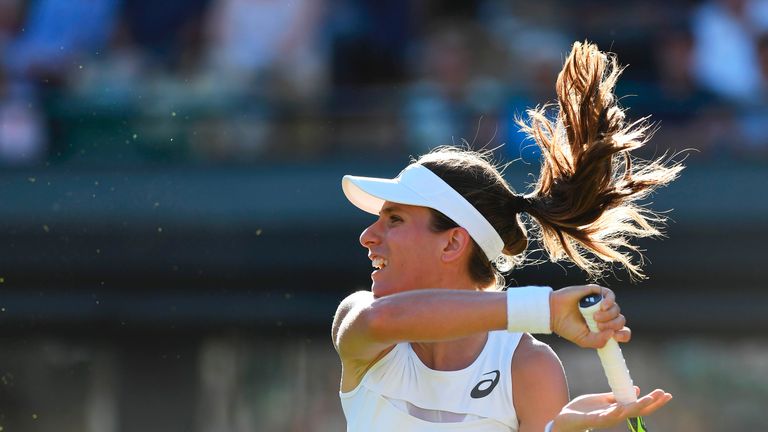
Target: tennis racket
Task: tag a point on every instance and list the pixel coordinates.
(614, 366)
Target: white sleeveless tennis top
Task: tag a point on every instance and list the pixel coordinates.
(400, 393)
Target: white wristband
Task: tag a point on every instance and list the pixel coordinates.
(528, 309)
(548, 427)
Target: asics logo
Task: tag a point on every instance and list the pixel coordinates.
(486, 386)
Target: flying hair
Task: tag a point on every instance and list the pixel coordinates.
(585, 199)
(583, 206)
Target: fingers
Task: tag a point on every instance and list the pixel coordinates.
(610, 321)
(593, 411)
(654, 406)
(624, 335)
(653, 401)
(596, 340)
(603, 398)
(607, 313)
(647, 404)
(609, 298)
(609, 317)
(614, 324)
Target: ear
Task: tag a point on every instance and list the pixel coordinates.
(458, 243)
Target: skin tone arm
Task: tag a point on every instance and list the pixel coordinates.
(539, 386)
(540, 394)
(364, 327)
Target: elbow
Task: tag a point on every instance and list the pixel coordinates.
(369, 326)
(379, 321)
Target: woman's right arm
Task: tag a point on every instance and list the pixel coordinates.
(364, 327)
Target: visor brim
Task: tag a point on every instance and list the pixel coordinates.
(369, 193)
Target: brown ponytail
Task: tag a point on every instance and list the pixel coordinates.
(584, 200)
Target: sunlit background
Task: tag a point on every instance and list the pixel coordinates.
(174, 236)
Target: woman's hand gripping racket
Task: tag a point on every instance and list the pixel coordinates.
(613, 363)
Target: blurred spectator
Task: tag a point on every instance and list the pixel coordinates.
(537, 57)
(687, 113)
(22, 138)
(22, 128)
(55, 37)
(248, 39)
(371, 39)
(754, 118)
(114, 78)
(11, 15)
(241, 80)
(679, 96)
(446, 104)
(260, 59)
(58, 33)
(725, 46)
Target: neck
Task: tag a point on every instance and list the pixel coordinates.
(451, 355)
(451, 278)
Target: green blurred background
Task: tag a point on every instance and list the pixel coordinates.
(175, 240)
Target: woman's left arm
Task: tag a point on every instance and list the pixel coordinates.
(539, 386)
(540, 394)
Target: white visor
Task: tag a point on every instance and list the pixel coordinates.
(417, 185)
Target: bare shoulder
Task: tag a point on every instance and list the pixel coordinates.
(539, 387)
(350, 333)
(535, 357)
(351, 302)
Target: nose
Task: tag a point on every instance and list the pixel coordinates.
(370, 236)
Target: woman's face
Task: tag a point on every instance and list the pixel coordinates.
(403, 250)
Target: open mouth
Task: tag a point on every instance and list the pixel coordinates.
(379, 263)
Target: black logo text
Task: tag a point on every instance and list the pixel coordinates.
(486, 386)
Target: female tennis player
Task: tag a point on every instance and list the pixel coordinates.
(436, 345)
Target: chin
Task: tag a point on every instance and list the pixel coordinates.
(377, 292)
(380, 290)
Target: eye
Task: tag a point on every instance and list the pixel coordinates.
(395, 219)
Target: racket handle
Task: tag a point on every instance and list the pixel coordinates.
(614, 366)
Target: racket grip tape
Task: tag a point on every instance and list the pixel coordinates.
(612, 359)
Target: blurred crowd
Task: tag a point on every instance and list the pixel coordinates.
(140, 81)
